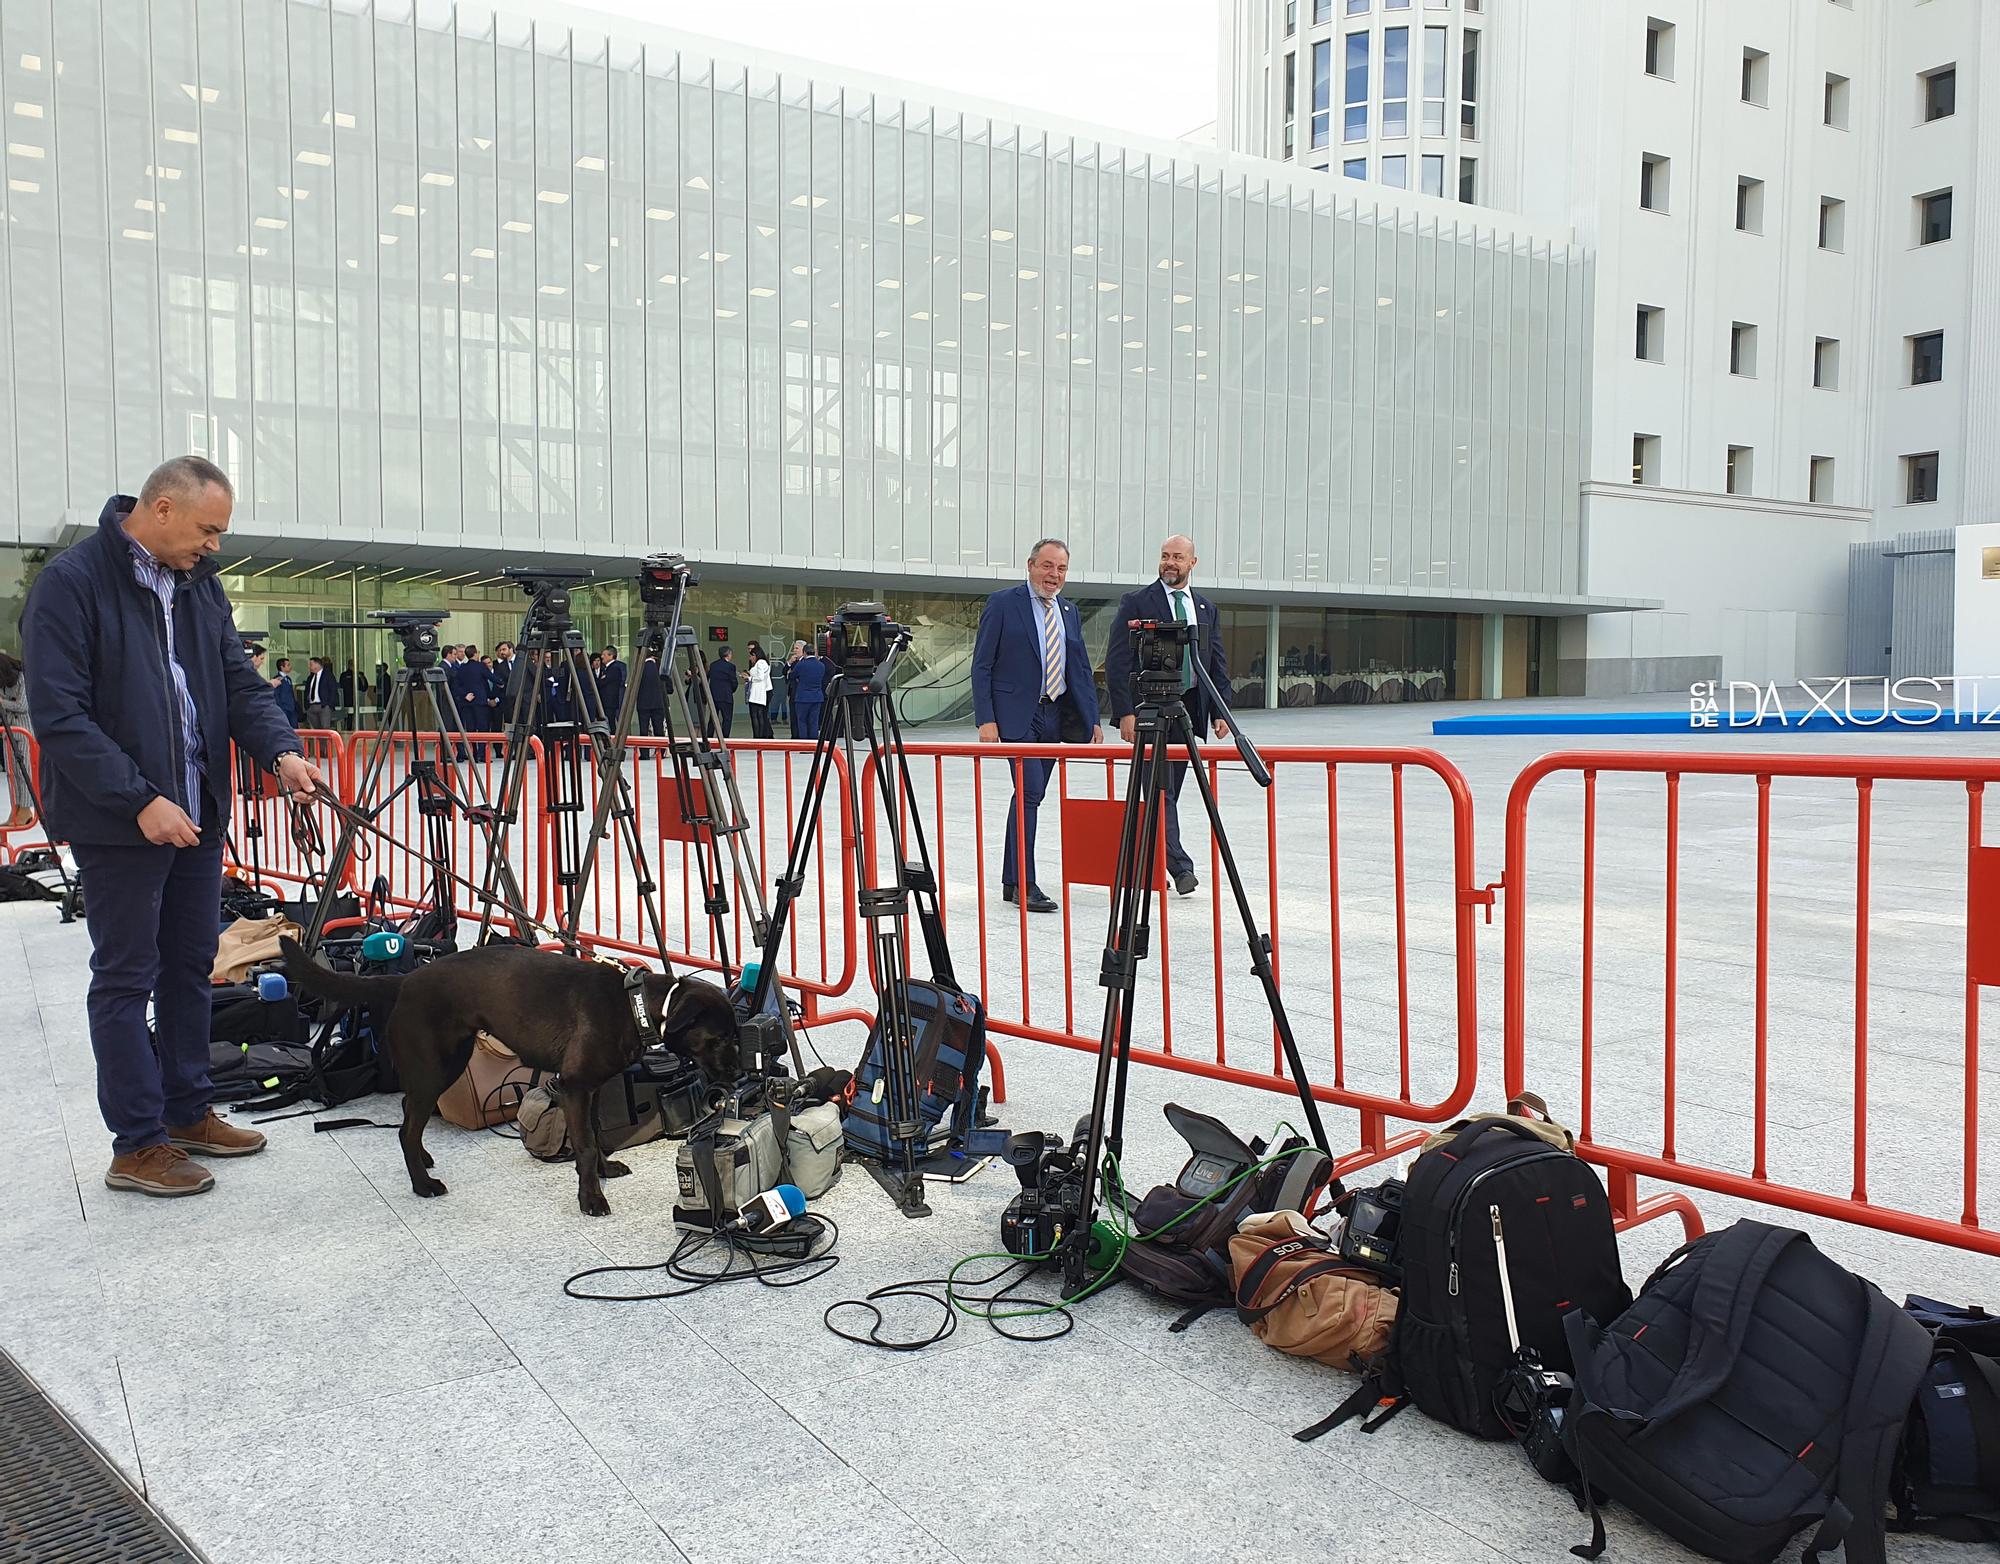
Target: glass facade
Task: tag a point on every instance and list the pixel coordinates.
(435, 283)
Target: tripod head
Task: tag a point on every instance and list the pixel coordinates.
(416, 629)
(1160, 649)
(548, 618)
(663, 583)
(862, 642)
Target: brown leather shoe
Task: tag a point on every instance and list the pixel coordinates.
(158, 1170)
(215, 1137)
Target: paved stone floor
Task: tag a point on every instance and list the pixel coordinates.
(310, 1364)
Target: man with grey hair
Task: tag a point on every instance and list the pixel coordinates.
(1032, 681)
(141, 686)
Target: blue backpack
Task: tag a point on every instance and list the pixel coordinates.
(950, 1052)
(1948, 1482)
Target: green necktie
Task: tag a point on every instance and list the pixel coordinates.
(1187, 655)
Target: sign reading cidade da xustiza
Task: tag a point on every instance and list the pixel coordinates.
(1848, 702)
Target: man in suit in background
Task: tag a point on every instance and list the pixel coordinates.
(722, 677)
(499, 679)
(650, 708)
(611, 683)
(1029, 667)
(319, 693)
(1172, 596)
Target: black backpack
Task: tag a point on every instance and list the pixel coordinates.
(1182, 1253)
(1948, 1481)
(1756, 1388)
(1497, 1187)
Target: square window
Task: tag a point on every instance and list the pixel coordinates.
(1826, 364)
(1652, 334)
(1645, 458)
(1832, 223)
(1468, 180)
(1654, 172)
(1836, 101)
(1749, 205)
(1355, 168)
(1757, 77)
(1736, 472)
(1659, 48)
(1819, 481)
(1743, 350)
(1940, 92)
(1934, 217)
(1396, 172)
(1920, 479)
(1926, 358)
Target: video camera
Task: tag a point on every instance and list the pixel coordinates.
(663, 577)
(1159, 649)
(860, 639)
(416, 628)
(1050, 1203)
(549, 588)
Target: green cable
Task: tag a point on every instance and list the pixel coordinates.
(1121, 1230)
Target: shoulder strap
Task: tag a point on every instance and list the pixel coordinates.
(1725, 1296)
(1895, 1353)
(1248, 1309)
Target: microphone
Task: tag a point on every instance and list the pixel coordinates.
(772, 1210)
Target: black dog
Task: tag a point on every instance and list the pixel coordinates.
(559, 1014)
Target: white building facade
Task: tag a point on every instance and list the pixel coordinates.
(1794, 339)
(442, 288)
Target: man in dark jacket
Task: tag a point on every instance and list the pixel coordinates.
(319, 693)
(805, 679)
(651, 705)
(499, 676)
(1172, 596)
(287, 693)
(140, 686)
(611, 683)
(722, 686)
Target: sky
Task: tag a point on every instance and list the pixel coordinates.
(1146, 66)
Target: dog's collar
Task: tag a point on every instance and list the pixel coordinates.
(635, 1000)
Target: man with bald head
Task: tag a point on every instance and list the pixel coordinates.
(1172, 596)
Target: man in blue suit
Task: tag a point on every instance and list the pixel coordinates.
(1172, 596)
(1029, 668)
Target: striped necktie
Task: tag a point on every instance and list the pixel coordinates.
(1052, 648)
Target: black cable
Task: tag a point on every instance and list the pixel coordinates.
(952, 1300)
(738, 1246)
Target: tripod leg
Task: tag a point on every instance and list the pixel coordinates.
(1260, 960)
(1128, 942)
(343, 843)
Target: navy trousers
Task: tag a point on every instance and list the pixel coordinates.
(154, 917)
(1044, 728)
(805, 718)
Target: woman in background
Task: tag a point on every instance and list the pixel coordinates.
(758, 677)
(14, 714)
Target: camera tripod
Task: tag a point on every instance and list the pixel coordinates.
(549, 649)
(861, 726)
(705, 789)
(1162, 722)
(436, 797)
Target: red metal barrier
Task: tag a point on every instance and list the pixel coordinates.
(260, 826)
(821, 943)
(1372, 1046)
(1702, 1062)
(396, 855)
(17, 839)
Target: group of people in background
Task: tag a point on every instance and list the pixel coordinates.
(479, 686)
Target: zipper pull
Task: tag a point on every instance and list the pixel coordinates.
(1498, 1236)
(1453, 1289)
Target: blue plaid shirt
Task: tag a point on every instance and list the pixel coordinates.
(163, 582)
